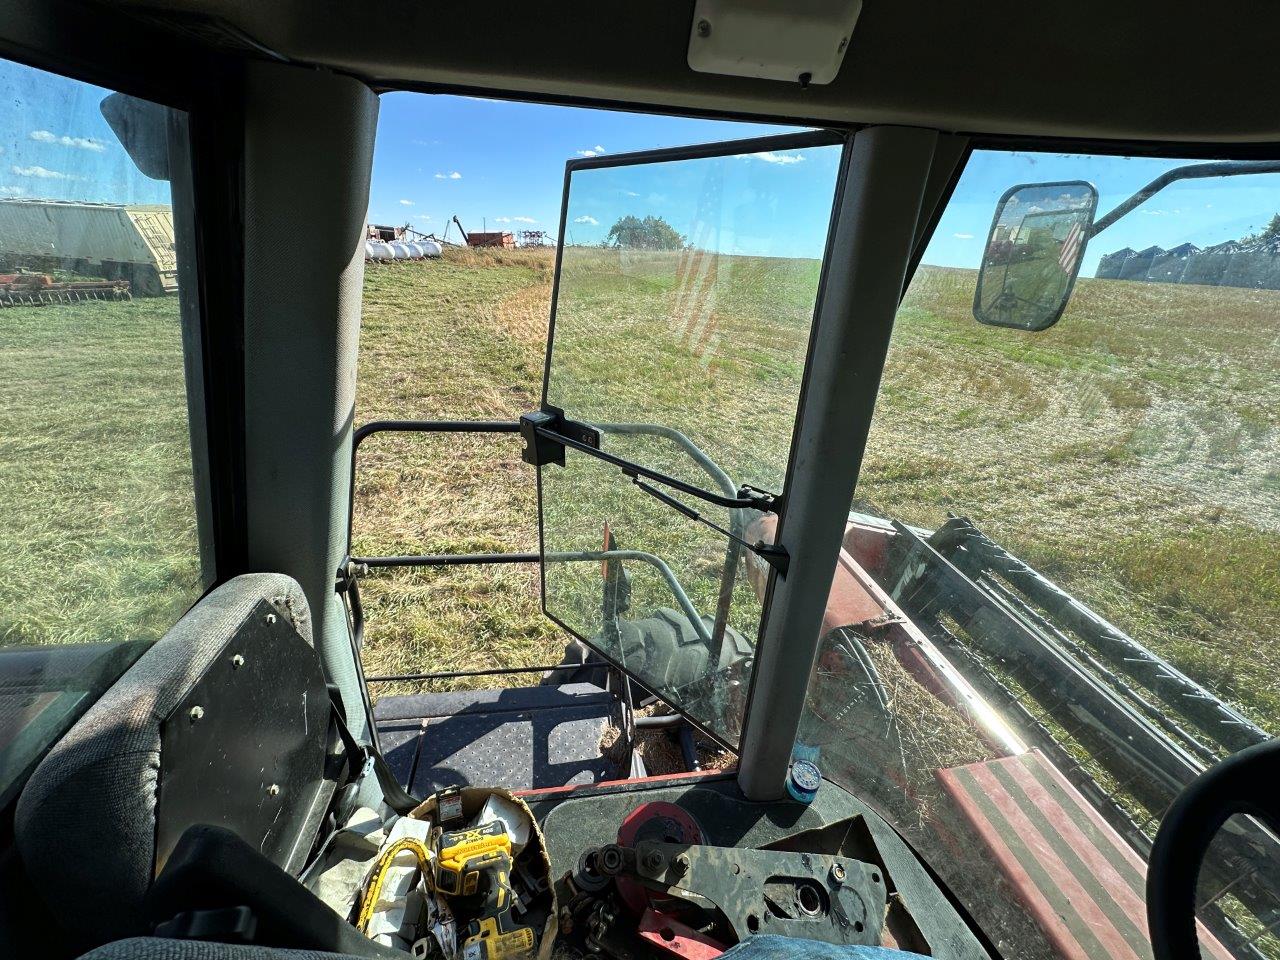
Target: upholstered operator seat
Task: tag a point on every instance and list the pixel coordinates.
(86, 823)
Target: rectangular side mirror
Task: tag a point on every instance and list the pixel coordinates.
(1033, 254)
(143, 130)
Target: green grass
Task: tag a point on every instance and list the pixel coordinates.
(1130, 452)
(460, 338)
(97, 523)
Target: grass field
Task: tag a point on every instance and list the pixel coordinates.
(461, 338)
(97, 525)
(1131, 452)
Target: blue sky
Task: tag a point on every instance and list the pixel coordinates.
(768, 203)
(55, 145)
(509, 160)
(501, 165)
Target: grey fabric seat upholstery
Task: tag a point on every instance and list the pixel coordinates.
(85, 824)
(157, 948)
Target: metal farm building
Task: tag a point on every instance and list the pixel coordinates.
(112, 241)
(492, 238)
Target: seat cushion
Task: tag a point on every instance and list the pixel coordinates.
(85, 824)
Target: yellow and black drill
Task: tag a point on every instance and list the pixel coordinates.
(475, 865)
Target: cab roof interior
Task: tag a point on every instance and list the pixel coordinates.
(1093, 69)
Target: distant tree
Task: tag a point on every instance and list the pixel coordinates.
(651, 233)
(1269, 238)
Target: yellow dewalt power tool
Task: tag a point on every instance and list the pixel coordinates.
(476, 864)
(467, 856)
(487, 940)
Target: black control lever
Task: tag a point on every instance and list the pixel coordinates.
(548, 432)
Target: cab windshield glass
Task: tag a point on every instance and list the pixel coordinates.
(1059, 598)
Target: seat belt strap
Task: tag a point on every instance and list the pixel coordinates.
(364, 759)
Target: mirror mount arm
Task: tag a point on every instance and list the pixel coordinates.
(774, 555)
(547, 432)
(1192, 171)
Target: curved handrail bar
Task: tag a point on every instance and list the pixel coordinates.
(682, 598)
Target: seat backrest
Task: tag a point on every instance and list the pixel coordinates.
(87, 822)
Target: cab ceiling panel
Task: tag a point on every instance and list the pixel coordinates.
(1087, 69)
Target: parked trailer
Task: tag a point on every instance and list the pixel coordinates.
(115, 242)
(492, 238)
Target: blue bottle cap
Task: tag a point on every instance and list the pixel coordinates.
(804, 780)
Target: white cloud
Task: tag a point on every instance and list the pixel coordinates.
(79, 143)
(592, 151)
(587, 219)
(405, 203)
(524, 220)
(630, 193)
(501, 219)
(42, 173)
(11, 191)
(963, 236)
(449, 176)
(768, 156)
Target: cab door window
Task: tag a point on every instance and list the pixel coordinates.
(98, 511)
(680, 338)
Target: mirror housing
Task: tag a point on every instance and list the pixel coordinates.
(1033, 253)
(142, 128)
